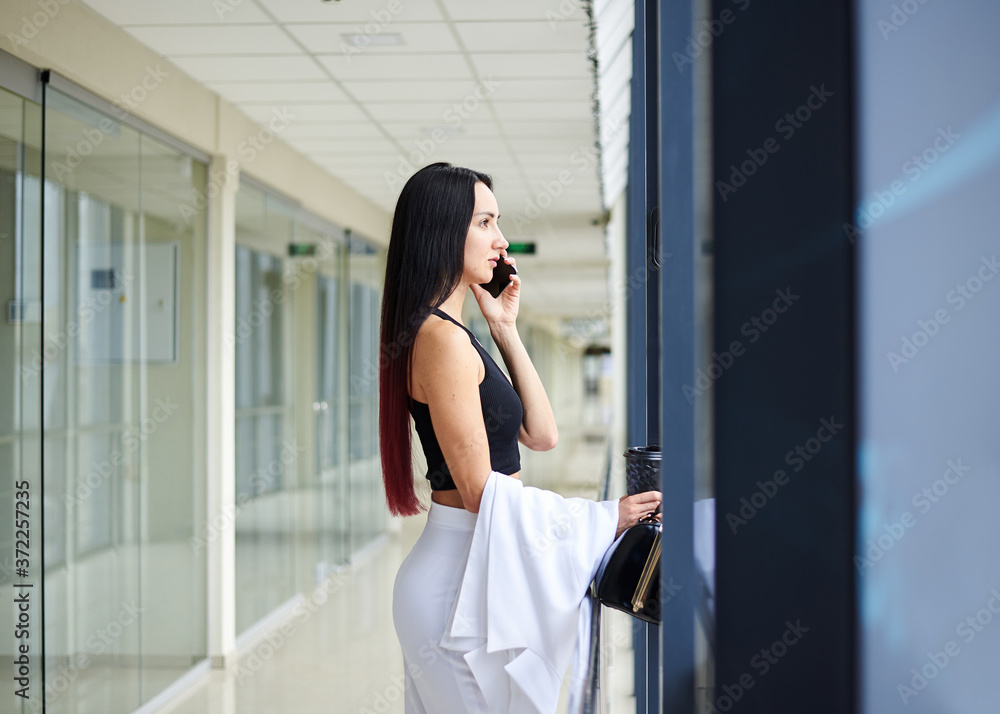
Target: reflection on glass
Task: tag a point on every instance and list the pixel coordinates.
(20, 358)
(368, 512)
(267, 451)
(331, 412)
(124, 589)
(926, 229)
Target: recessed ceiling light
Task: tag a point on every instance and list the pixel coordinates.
(385, 39)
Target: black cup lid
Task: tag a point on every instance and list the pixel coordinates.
(644, 452)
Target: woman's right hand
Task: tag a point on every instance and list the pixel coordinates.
(632, 508)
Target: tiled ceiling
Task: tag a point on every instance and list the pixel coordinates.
(501, 86)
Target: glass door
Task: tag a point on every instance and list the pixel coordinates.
(21, 355)
(267, 452)
(369, 514)
(101, 333)
(123, 355)
(330, 411)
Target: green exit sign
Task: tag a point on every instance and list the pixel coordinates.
(300, 250)
(521, 248)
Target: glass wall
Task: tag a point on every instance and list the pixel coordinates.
(102, 423)
(266, 446)
(331, 413)
(558, 367)
(318, 301)
(926, 226)
(123, 411)
(369, 514)
(114, 350)
(20, 362)
(308, 482)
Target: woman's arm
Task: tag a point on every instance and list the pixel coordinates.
(450, 368)
(538, 428)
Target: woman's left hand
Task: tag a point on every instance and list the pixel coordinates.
(633, 508)
(501, 310)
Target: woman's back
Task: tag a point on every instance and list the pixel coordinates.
(501, 409)
(500, 406)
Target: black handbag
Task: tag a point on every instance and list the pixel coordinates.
(628, 578)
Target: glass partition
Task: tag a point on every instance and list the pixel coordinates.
(21, 299)
(319, 363)
(308, 482)
(331, 412)
(266, 449)
(104, 400)
(928, 466)
(369, 514)
(102, 415)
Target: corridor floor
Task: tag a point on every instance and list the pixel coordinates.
(336, 651)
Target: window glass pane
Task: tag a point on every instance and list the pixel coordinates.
(368, 510)
(929, 177)
(266, 448)
(124, 418)
(21, 356)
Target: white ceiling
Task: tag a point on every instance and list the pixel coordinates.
(365, 113)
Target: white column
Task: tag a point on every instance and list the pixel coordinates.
(220, 386)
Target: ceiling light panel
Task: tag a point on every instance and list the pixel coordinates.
(353, 40)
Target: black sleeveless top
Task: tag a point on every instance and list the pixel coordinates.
(502, 414)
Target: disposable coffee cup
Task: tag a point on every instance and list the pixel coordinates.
(642, 468)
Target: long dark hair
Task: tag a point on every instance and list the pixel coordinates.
(424, 264)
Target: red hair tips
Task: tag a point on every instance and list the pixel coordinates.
(395, 444)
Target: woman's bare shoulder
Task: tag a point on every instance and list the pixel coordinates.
(439, 334)
(442, 352)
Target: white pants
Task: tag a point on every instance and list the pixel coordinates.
(436, 680)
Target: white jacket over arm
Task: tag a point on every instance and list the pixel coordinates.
(519, 607)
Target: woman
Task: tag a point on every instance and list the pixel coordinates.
(445, 241)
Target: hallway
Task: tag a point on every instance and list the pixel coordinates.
(335, 650)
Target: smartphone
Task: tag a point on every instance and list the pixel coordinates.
(501, 278)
